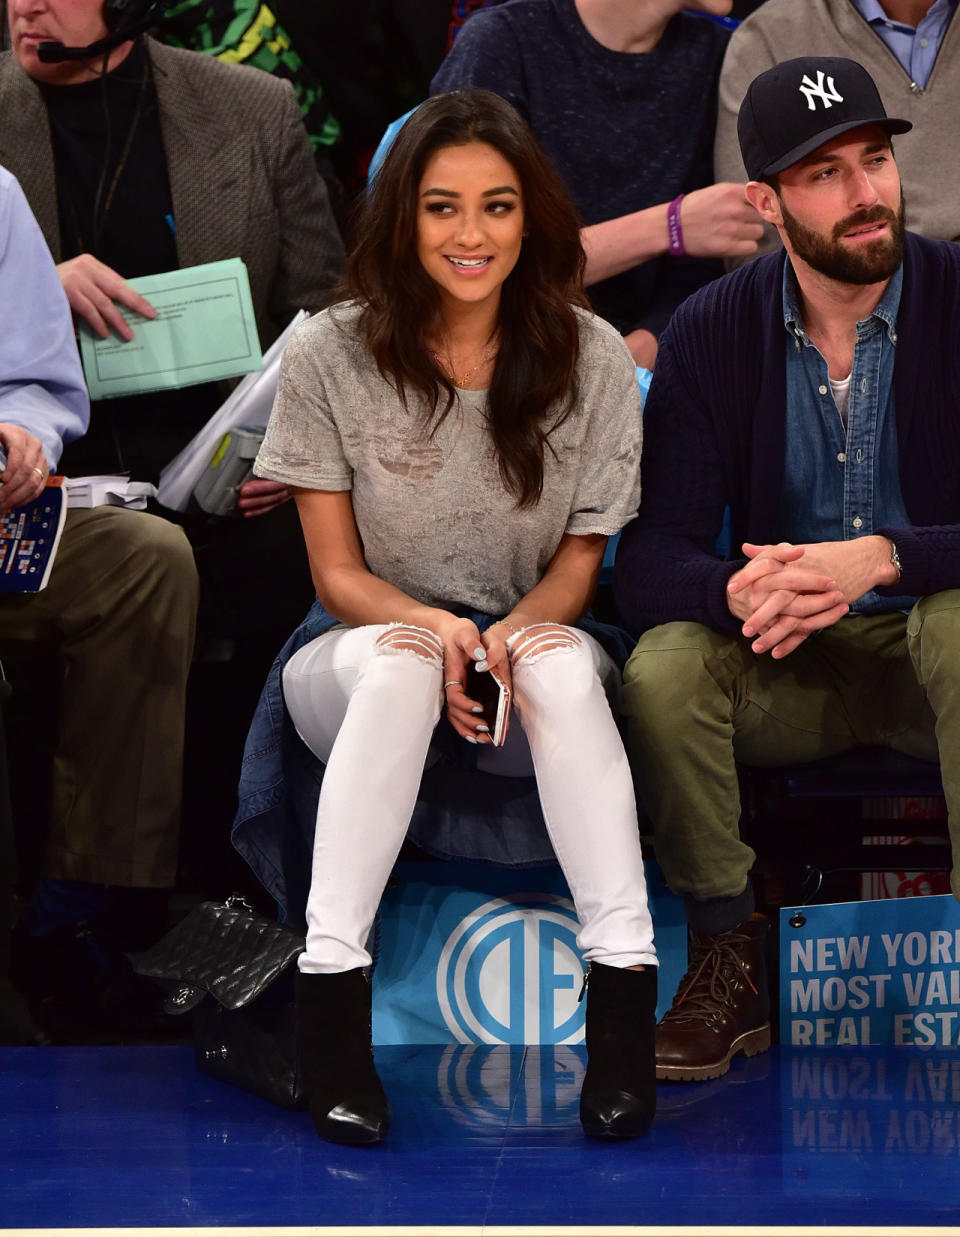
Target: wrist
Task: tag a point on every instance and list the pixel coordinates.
(890, 568)
(517, 620)
(440, 622)
(650, 236)
(675, 245)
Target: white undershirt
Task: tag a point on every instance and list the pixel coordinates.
(841, 395)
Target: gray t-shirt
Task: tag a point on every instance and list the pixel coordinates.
(432, 511)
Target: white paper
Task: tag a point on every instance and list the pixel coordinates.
(110, 490)
(249, 404)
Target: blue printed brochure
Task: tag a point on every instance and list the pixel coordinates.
(29, 536)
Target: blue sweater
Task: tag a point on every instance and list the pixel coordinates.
(714, 436)
(623, 130)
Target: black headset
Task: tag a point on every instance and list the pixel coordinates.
(124, 15)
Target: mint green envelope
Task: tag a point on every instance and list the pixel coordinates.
(204, 330)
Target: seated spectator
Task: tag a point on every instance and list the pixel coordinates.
(813, 392)
(463, 437)
(118, 612)
(146, 158)
(918, 81)
(622, 98)
(211, 161)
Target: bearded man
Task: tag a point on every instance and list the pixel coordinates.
(813, 393)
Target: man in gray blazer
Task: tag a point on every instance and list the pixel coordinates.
(168, 159)
(137, 159)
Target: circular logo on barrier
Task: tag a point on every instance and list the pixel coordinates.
(510, 973)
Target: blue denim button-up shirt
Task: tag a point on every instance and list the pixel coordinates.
(842, 482)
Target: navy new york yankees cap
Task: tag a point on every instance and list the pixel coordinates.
(800, 104)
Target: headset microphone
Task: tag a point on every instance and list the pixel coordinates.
(125, 19)
(57, 53)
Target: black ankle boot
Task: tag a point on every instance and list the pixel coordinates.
(619, 1095)
(347, 1100)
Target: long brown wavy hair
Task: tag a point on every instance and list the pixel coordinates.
(534, 379)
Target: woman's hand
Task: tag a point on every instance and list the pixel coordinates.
(495, 642)
(463, 646)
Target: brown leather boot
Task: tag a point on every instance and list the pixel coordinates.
(722, 1006)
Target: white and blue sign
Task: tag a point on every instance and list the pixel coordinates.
(480, 955)
(866, 973)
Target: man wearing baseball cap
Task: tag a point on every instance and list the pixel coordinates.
(814, 394)
(911, 49)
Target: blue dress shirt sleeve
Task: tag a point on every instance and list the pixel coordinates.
(42, 389)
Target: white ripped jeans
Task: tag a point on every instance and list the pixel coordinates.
(366, 700)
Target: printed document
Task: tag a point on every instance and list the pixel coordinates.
(204, 330)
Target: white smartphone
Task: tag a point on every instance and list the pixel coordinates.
(491, 691)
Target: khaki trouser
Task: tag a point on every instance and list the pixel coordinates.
(119, 612)
(697, 702)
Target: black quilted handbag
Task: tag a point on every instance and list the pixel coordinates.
(234, 970)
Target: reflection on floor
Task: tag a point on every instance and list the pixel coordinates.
(114, 1137)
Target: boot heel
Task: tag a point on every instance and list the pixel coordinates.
(619, 1095)
(754, 1042)
(346, 1098)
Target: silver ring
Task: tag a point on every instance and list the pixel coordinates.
(41, 474)
(452, 683)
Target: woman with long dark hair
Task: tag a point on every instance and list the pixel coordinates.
(462, 436)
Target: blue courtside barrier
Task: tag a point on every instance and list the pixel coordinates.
(474, 954)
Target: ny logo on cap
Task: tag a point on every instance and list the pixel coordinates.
(816, 90)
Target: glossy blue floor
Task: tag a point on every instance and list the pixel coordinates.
(797, 1140)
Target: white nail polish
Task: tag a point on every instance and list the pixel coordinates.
(469, 738)
(483, 729)
(477, 708)
(479, 653)
(481, 665)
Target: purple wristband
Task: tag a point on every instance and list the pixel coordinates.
(674, 230)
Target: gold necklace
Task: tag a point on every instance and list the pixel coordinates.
(445, 365)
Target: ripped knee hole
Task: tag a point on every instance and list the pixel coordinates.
(542, 638)
(418, 641)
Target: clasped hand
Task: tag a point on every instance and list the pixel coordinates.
(464, 645)
(786, 592)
